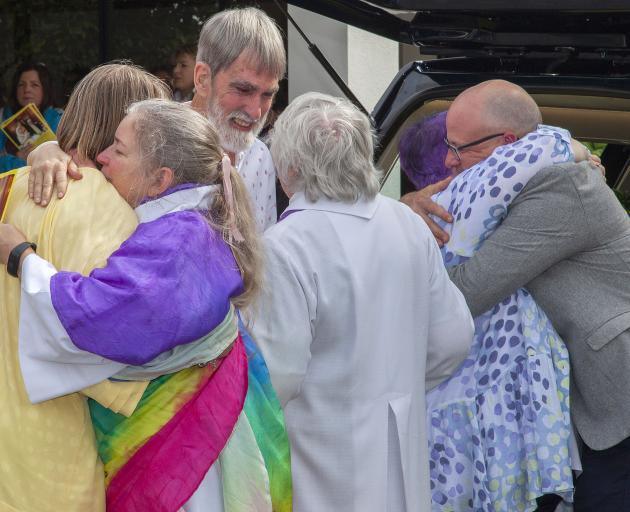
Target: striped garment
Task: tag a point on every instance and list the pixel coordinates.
(155, 459)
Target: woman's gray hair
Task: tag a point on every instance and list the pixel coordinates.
(172, 135)
(329, 145)
(227, 34)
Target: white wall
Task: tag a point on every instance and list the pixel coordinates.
(366, 62)
(372, 64)
(304, 72)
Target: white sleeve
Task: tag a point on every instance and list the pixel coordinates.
(451, 325)
(51, 365)
(282, 322)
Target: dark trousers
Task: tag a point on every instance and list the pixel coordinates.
(604, 485)
(547, 503)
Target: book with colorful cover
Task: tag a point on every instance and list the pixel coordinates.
(27, 128)
(6, 182)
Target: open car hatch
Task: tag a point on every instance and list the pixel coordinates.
(494, 27)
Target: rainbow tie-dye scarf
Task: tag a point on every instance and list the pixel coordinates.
(264, 414)
(155, 459)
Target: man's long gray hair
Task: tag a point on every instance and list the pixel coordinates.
(328, 143)
(227, 34)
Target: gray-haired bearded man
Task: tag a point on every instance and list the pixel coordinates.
(240, 60)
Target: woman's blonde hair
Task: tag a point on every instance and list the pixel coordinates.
(173, 135)
(98, 104)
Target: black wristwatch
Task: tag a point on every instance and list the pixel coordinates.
(13, 263)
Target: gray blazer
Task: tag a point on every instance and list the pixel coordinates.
(566, 239)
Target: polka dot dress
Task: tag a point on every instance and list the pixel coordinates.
(499, 428)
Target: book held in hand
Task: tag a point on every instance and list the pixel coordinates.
(27, 128)
(6, 182)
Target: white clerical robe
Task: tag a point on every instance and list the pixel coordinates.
(358, 320)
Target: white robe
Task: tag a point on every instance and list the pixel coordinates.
(358, 320)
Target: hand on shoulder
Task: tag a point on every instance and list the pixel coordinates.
(421, 203)
(50, 168)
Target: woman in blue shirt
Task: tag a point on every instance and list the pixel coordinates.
(31, 84)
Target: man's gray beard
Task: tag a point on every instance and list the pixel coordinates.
(232, 139)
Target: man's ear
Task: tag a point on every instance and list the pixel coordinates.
(203, 88)
(163, 180)
(509, 137)
(203, 79)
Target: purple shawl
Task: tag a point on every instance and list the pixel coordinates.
(169, 284)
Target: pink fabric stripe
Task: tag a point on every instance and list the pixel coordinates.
(163, 474)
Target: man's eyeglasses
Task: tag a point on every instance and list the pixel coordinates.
(457, 149)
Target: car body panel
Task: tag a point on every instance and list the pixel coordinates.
(419, 82)
(465, 27)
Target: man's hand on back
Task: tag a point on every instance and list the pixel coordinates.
(581, 153)
(421, 203)
(596, 163)
(50, 167)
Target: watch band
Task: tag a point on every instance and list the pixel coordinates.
(13, 263)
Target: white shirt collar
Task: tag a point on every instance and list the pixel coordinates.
(364, 208)
(197, 198)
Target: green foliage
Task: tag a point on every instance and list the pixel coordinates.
(74, 36)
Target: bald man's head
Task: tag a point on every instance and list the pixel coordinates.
(507, 106)
(494, 107)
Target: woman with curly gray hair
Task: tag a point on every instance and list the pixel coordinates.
(358, 319)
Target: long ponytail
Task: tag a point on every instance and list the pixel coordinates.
(248, 251)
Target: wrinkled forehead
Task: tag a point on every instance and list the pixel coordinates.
(465, 119)
(247, 72)
(126, 131)
(253, 64)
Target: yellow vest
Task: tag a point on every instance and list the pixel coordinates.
(48, 458)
